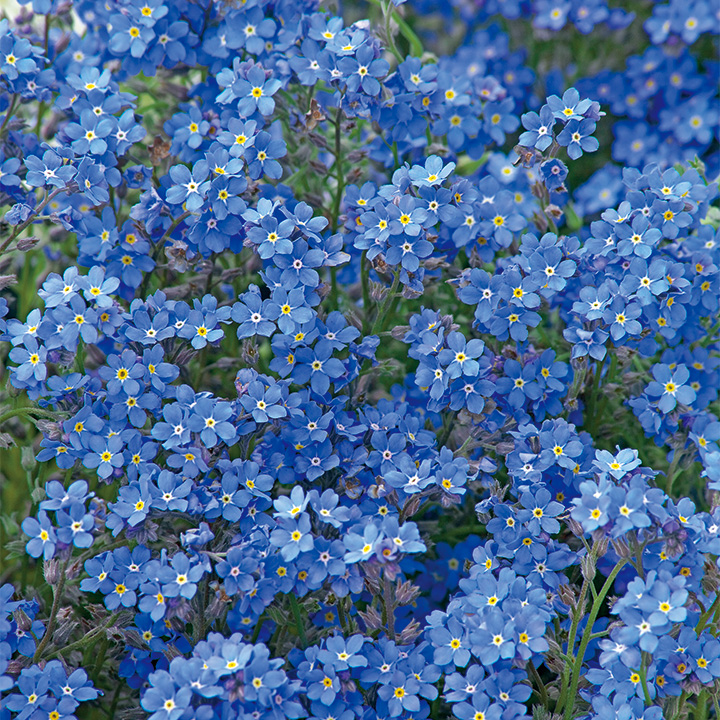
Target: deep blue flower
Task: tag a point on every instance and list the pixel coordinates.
(554, 172)
(538, 129)
(577, 137)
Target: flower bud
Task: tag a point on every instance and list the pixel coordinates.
(14, 667)
(318, 168)
(355, 174)
(540, 222)
(587, 565)
(406, 592)
(27, 458)
(554, 212)
(567, 595)
(372, 619)
(541, 713)
(65, 627)
(621, 548)
(412, 505)
(409, 633)
(25, 244)
(372, 578)
(320, 142)
(49, 428)
(711, 578)
(408, 293)
(601, 546)
(51, 571)
(22, 620)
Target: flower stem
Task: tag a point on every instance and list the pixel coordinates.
(380, 317)
(10, 112)
(540, 684)
(577, 665)
(389, 602)
(27, 411)
(57, 596)
(298, 619)
(571, 644)
(707, 614)
(365, 282)
(677, 454)
(416, 47)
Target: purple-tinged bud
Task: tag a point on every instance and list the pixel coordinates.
(51, 571)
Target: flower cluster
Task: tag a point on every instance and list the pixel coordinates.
(331, 390)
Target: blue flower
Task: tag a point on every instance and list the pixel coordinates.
(461, 355)
(180, 578)
(210, 419)
(342, 654)
(554, 172)
(126, 35)
(362, 71)
(435, 172)
(189, 188)
(42, 534)
(262, 156)
(293, 536)
(586, 342)
(539, 129)
(577, 137)
(543, 511)
(669, 385)
(163, 698)
(31, 358)
(254, 92)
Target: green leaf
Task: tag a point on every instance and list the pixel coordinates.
(572, 219)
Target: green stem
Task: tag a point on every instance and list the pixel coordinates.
(32, 218)
(677, 454)
(380, 318)
(365, 282)
(50, 628)
(643, 678)
(571, 645)
(339, 190)
(40, 113)
(339, 176)
(27, 411)
(592, 400)
(46, 38)
(577, 665)
(710, 337)
(416, 47)
(85, 639)
(159, 247)
(602, 404)
(447, 428)
(115, 700)
(681, 705)
(100, 660)
(342, 616)
(298, 619)
(256, 631)
(540, 684)
(10, 112)
(389, 602)
(702, 706)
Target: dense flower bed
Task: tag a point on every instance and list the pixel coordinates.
(359, 368)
